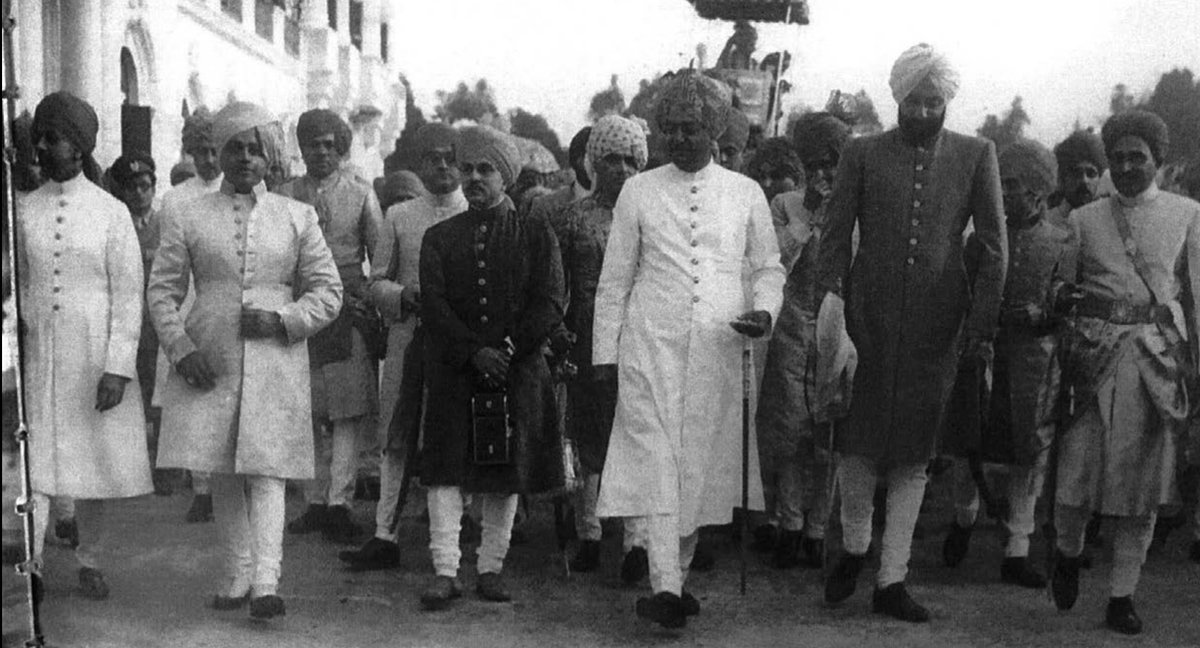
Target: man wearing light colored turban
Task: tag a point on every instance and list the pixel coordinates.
(236, 402)
(910, 307)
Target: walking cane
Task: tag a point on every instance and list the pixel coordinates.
(745, 522)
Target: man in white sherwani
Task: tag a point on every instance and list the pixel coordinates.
(669, 316)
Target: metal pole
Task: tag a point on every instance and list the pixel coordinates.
(776, 99)
(745, 517)
(29, 567)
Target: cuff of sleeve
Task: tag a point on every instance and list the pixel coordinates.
(121, 366)
(180, 349)
(293, 323)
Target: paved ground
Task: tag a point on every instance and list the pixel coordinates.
(162, 572)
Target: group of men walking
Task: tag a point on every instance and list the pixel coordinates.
(880, 283)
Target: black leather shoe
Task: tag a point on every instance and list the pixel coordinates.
(91, 584)
(377, 553)
(200, 510)
(225, 603)
(691, 606)
(490, 587)
(787, 550)
(813, 552)
(1194, 554)
(895, 602)
(339, 528)
(67, 531)
(1018, 571)
(765, 538)
(313, 519)
(1122, 617)
(703, 560)
(588, 557)
(954, 549)
(266, 607)
(1064, 584)
(635, 566)
(37, 590)
(843, 578)
(663, 608)
(439, 594)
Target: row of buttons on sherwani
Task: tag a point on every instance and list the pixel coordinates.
(237, 238)
(920, 175)
(481, 267)
(58, 237)
(695, 260)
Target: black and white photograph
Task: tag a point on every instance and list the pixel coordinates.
(652, 323)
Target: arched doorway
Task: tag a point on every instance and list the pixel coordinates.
(135, 118)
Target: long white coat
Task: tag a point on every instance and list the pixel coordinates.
(81, 291)
(264, 251)
(670, 285)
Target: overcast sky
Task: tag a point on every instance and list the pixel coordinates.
(550, 56)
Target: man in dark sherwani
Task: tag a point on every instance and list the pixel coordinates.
(910, 307)
(491, 294)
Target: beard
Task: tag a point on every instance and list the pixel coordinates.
(920, 129)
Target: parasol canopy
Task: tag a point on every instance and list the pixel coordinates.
(535, 156)
(754, 10)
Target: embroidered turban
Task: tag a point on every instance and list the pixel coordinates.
(703, 98)
(486, 143)
(71, 116)
(320, 122)
(1081, 146)
(129, 166)
(197, 130)
(615, 134)
(918, 63)
(435, 135)
(1139, 123)
(1033, 163)
(820, 135)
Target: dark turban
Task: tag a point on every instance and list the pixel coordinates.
(397, 186)
(579, 145)
(737, 129)
(71, 116)
(1139, 123)
(320, 122)
(129, 166)
(1033, 163)
(435, 135)
(182, 171)
(479, 143)
(818, 135)
(777, 153)
(1081, 146)
(705, 99)
(197, 130)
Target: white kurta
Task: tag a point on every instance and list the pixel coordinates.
(263, 251)
(81, 290)
(670, 286)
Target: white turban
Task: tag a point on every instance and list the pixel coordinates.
(918, 63)
(237, 117)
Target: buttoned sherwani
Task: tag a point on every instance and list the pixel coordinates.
(80, 278)
(1118, 454)
(256, 250)
(907, 293)
(671, 283)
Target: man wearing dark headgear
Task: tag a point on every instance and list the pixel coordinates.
(1018, 429)
(81, 298)
(793, 449)
(396, 290)
(491, 294)
(671, 322)
(1081, 164)
(551, 205)
(1134, 311)
(343, 372)
(397, 187)
(910, 308)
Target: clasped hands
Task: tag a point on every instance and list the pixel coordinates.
(753, 324)
(492, 365)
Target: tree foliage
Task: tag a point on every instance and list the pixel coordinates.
(1176, 98)
(477, 103)
(1007, 129)
(414, 119)
(609, 101)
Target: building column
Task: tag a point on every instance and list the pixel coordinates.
(82, 52)
(31, 48)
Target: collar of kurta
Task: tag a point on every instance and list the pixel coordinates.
(255, 194)
(490, 213)
(74, 185)
(324, 184)
(706, 172)
(928, 144)
(1147, 196)
(454, 198)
